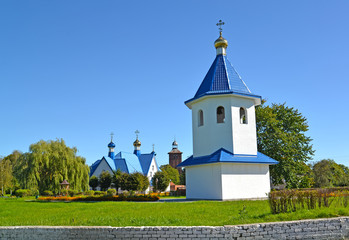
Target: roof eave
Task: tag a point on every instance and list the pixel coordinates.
(257, 99)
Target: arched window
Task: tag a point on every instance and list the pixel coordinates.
(201, 118)
(243, 116)
(220, 114)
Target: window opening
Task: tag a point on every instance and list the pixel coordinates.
(220, 114)
(243, 116)
(201, 118)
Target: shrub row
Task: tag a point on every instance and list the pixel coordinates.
(292, 200)
(140, 198)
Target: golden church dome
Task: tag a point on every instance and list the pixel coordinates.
(137, 143)
(221, 42)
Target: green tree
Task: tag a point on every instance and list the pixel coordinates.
(94, 182)
(5, 175)
(48, 163)
(116, 180)
(182, 177)
(281, 136)
(171, 172)
(104, 180)
(160, 181)
(327, 173)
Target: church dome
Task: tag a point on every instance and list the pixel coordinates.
(174, 143)
(137, 143)
(221, 42)
(111, 145)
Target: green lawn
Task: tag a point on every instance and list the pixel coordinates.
(17, 212)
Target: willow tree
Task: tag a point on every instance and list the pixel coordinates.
(48, 163)
(5, 175)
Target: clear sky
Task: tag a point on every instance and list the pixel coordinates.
(78, 70)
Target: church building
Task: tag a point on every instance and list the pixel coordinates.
(144, 163)
(225, 163)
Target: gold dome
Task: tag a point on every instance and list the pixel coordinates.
(221, 42)
(137, 143)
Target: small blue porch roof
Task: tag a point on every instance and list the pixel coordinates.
(223, 155)
(222, 78)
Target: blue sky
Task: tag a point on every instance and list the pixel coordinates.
(78, 70)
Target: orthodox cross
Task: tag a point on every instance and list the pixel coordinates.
(220, 24)
(153, 147)
(111, 136)
(137, 132)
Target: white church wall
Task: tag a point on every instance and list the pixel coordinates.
(232, 135)
(212, 135)
(245, 180)
(204, 182)
(244, 135)
(103, 166)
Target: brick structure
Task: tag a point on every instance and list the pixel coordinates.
(332, 228)
(175, 157)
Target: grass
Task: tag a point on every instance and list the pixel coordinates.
(18, 212)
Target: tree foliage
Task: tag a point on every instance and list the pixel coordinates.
(94, 182)
(5, 175)
(281, 136)
(327, 173)
(171, 172)
(160, 181)
(48, 163)
(105, 180)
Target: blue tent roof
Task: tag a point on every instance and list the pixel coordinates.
(130, 160)
(145, 160)
(94, 167)
(222, 78)
(223, 155)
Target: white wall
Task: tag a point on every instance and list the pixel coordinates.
(203, 182)
(227, 181)
(232, 135)
(245, 180)
(103, 166)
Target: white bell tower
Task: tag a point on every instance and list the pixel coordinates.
(225, 162)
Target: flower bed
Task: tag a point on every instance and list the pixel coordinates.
(139, 198)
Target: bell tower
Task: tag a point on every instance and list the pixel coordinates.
(175, 156)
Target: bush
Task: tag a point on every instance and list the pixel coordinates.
(111, 192)
(72, 192)
(64, 192)
(23, 193)
(89, 193)
(141, 198)
(100, 193)
(47, 193)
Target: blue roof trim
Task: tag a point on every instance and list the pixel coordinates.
(223, 155)
(222, 78)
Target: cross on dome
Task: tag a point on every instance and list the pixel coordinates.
(137, 132)
(220, 24)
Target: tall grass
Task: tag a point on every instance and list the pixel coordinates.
(293, 200)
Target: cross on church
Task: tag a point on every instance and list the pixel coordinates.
(111, 136)
(220, 24)
(137, 132)
(153, 147)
